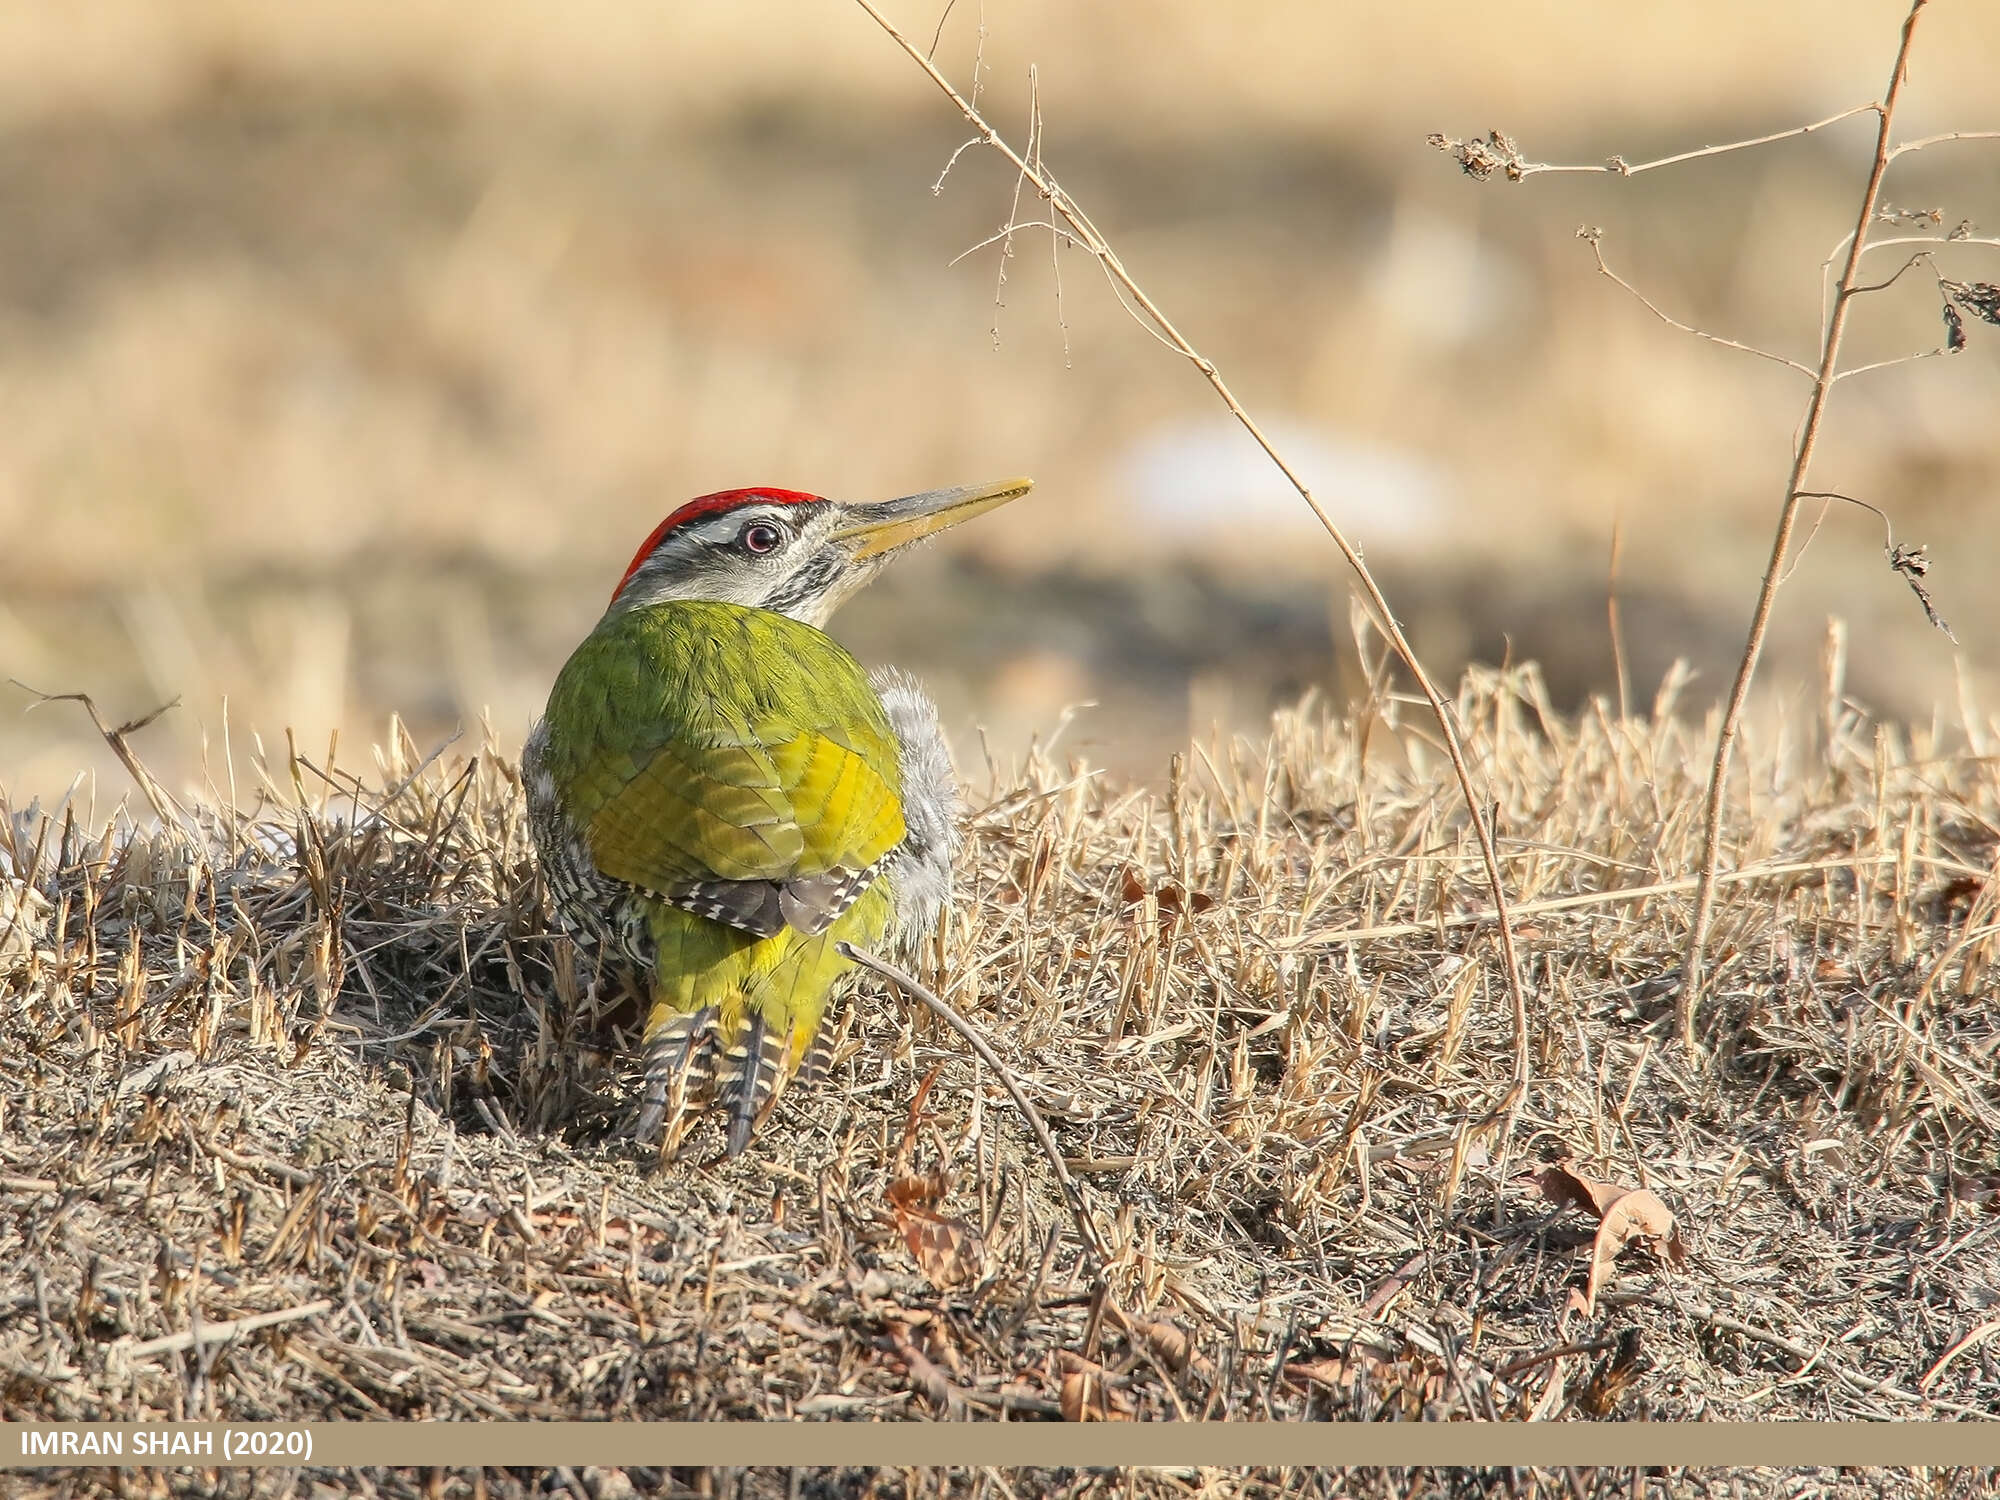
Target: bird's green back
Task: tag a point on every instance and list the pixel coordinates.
(696, 740)
(694, 744)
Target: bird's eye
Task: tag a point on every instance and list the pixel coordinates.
(761, 536)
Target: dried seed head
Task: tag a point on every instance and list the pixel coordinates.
(1980, 298)
(1481, 159)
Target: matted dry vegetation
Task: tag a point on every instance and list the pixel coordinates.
(770, 1483)
(307, 1116)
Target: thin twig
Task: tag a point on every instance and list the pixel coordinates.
(1960, 236)
(1908, 563)
(1967, 1341)
(1618, 166)
(1829, 496)
(938, 35)
(1688, 998)
(170, 812)
(1618, 897)
(915, 989)
(1133, 296)
(1612, 616)
(1717, 1319)
(1939, 140)
(1499, 154)
(217, 1333)
(1594, 236)
(1002, 236)
(1889, 364)
(1883, 285)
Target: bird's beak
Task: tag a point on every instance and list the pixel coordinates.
(872, 530)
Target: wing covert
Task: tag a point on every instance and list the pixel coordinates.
(757, 800)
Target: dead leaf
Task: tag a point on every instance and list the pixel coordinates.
(1566, 1187)
(563, 1220)
(1029, 872)
(916, 1194)
(1171, 897)
(1087, 1394)
(1623, 1215)
(794, 1321)
(1341, 1372)
(1956, 896)
(1336, 1372)
(1176, 902)
(1170, 1346)
(1392, 1287)
(948, 1251)
(1640, 1216)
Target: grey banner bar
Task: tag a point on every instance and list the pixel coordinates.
(1778, 1444)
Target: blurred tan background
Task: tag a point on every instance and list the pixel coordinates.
(347, 349)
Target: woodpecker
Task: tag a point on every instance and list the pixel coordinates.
(720, 794)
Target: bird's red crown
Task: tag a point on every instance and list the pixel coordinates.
(707, 505)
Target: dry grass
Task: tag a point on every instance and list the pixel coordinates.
(318, 1063)
(1056, 1484)
(304, 1113)
(1073, 1484)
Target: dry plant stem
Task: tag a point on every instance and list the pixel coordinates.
(1925, 142)
(1157, 322)
(218, 1333)
(1589, 900)
(1611, 615)
(1689, 997)
(1619, 167)
(912, 987)
(1603, 269)
(171, 817)
(1720, 1320)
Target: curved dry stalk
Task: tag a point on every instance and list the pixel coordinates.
(1596, 239)
(1156, 322)
(173, 817)
(1688, 1000)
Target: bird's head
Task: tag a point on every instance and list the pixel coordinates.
(781, 550)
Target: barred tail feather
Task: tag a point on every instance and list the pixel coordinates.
(819, 1053)
(755, 1067)
(815, 1051)
(680, 1061)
